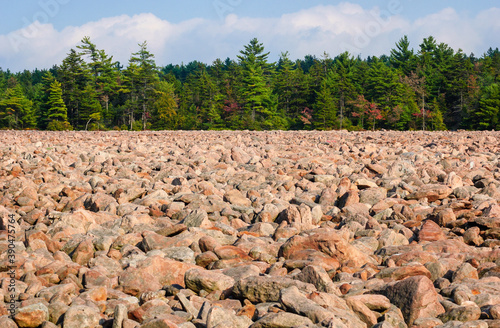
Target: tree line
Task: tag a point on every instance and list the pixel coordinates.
(431, 88)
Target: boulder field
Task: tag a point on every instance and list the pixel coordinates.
(249, 229)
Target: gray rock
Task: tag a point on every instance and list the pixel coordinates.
(261, 289)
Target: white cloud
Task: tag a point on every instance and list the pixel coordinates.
(330, 28)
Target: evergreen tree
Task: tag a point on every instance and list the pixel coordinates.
(90, 109)
(487, 116)
(16, 111)
(164, 107)
(57, 112)
(104, 72)
(385, 88)
(260, 107)
(325, 108)
(291, 86)
(402, 57)
(342, 81)
(74, 76)
(142, 77)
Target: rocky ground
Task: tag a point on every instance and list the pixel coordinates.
(250, 229)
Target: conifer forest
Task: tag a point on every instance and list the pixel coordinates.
(427, 87)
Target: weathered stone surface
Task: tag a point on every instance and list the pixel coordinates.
(152, 274)
(318, 276)
(328, 241)
(399, 273)
(114, 221)
(219, 317)
(415, 296)
(266, 288)
(32, 315)
(430, 231)
(199, 279)
(282, 320)
(432, 192)
(81, 316)
(464, 313)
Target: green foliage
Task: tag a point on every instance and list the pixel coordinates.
(403, 58)
(16, 111)
(59, 126)
(57, 109)
(325, 108)
(487, 115)
(90, 108)
(165, 107)
(431, 88)
(142, 75)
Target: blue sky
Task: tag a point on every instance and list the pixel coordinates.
(39, 33)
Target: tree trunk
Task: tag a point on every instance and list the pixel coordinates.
(423, 112)
(341, 111)
(144, 116)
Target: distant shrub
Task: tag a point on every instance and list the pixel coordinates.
(59, 126)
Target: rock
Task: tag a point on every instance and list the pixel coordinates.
(328, 241)
(295, 301)
(197, 218)
(372, 196)
(188, 307)
(159, 323)
(32, 315)
(391, 318)
(464, 313)
(298, 228)
(349, 198)
(472, 237)
(299, 218)
(199, 279)
(84, 252)
(399, 273)
(376, 168)
(120, 314)
(374, 302)
(431, 231)
(432, 192)
(282, 320)
(235, 197)
(259, 289)
(7, 322)
(317, 276)
(322, 308)
(362, 311)
(464, 271)
(152, 274)
(81, 316)
(454, 181)
(415, 296)
(445, 217)
(218, 317)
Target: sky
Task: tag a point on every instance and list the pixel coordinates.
(40, 33)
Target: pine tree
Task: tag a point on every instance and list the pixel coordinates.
(164, 107)
(104, 74)
(16, 111)
(291, 86)
(342, 81)
(402, 57)
(74, 76)
(487, 116)
(143, 75)
(90, 109)
(325, 108)
(384, 86)
(260, 107)
(57, 112)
